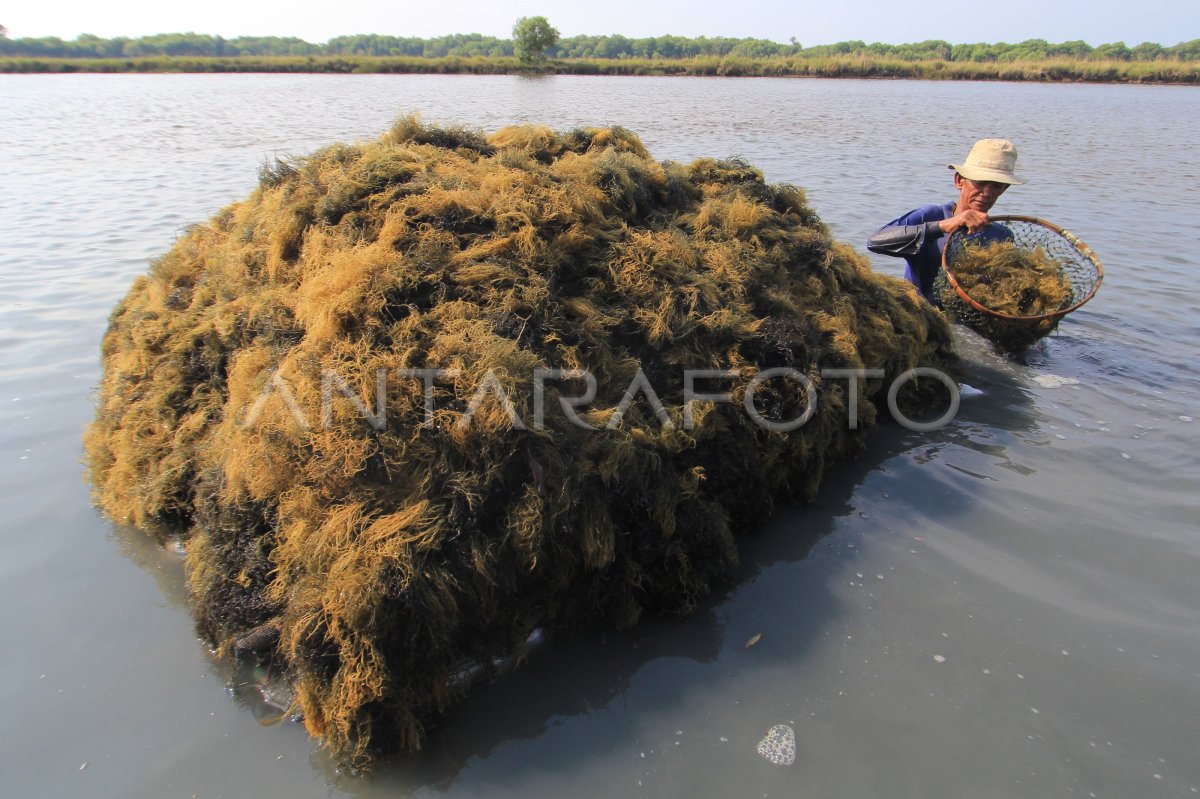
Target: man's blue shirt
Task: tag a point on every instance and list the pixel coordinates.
(916, 240)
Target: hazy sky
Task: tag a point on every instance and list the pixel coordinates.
(1166, 22)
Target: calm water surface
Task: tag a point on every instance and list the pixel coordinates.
(1006, 607)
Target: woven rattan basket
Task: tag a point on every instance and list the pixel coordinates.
(1080, 267)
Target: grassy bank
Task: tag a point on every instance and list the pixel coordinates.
(1051, 70)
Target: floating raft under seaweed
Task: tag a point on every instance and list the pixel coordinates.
(331, 391)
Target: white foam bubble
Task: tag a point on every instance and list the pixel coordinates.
(1054, 381)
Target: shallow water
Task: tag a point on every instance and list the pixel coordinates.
(1007, 606)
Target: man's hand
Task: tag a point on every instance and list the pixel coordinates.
(972, 220)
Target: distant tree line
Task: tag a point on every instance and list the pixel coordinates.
(615, 46)
(203, 45)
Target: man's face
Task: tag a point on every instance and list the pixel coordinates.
(977, 195)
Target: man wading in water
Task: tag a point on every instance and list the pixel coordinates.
(919, 235)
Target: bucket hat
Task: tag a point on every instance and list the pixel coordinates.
(990, 159)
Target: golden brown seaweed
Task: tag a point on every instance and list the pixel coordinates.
(386, 556)
(1012, 281)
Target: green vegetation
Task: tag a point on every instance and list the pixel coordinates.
(1056, 70)
(536, 43)
(658, 48)
(532, 37)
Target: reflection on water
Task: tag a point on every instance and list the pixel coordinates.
(1002, 607)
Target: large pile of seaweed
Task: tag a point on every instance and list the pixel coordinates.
(377, 528)
(1020, 283)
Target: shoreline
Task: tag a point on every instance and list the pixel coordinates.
(1051, 71)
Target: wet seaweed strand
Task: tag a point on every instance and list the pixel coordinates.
(386, 556)
(1011, 280)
